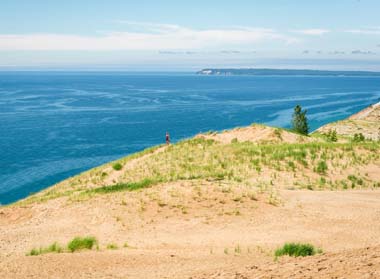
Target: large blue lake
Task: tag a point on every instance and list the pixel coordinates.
(57, 124)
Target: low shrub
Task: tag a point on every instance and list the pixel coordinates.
(117, 166)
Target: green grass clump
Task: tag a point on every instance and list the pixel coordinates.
(321, 167)
(53, 248)
(117, 166)
(34, 252)
(79, 243)
(296, 250)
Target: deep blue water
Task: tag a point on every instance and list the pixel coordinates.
(55, 125)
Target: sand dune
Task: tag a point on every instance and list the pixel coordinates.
(216, 206)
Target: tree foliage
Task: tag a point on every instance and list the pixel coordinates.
(299, 121)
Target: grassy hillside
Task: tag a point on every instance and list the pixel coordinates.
(313, 163)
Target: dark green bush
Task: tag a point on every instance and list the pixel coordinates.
(117, 166)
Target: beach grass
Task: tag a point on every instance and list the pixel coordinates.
(296, 250)
(241, 162)
(82, 243)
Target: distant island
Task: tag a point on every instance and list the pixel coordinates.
(284, 72)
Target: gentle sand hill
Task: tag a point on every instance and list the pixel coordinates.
(257, 133)
(216, 206)
(366, 122)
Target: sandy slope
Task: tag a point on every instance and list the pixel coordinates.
(259, 134)
(366, 122)
(208, 240)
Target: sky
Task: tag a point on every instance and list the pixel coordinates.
(189, 35)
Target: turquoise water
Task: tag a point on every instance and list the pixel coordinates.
(55, 125)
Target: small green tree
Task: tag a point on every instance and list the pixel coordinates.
(299, 121)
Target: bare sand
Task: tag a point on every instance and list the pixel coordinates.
(216, 237)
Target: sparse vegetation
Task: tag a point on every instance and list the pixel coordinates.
(76, 244)
(53, 248)
(237, 249)
(332, 136)
(205, 159)
(122, 187)
(278, 133)
(296, 250)
(359, 137)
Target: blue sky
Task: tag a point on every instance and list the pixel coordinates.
(188, 35)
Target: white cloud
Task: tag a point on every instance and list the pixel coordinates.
(147, 36)
(365, 31)
(312, 32)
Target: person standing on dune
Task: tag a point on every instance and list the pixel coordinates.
(167, 138)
